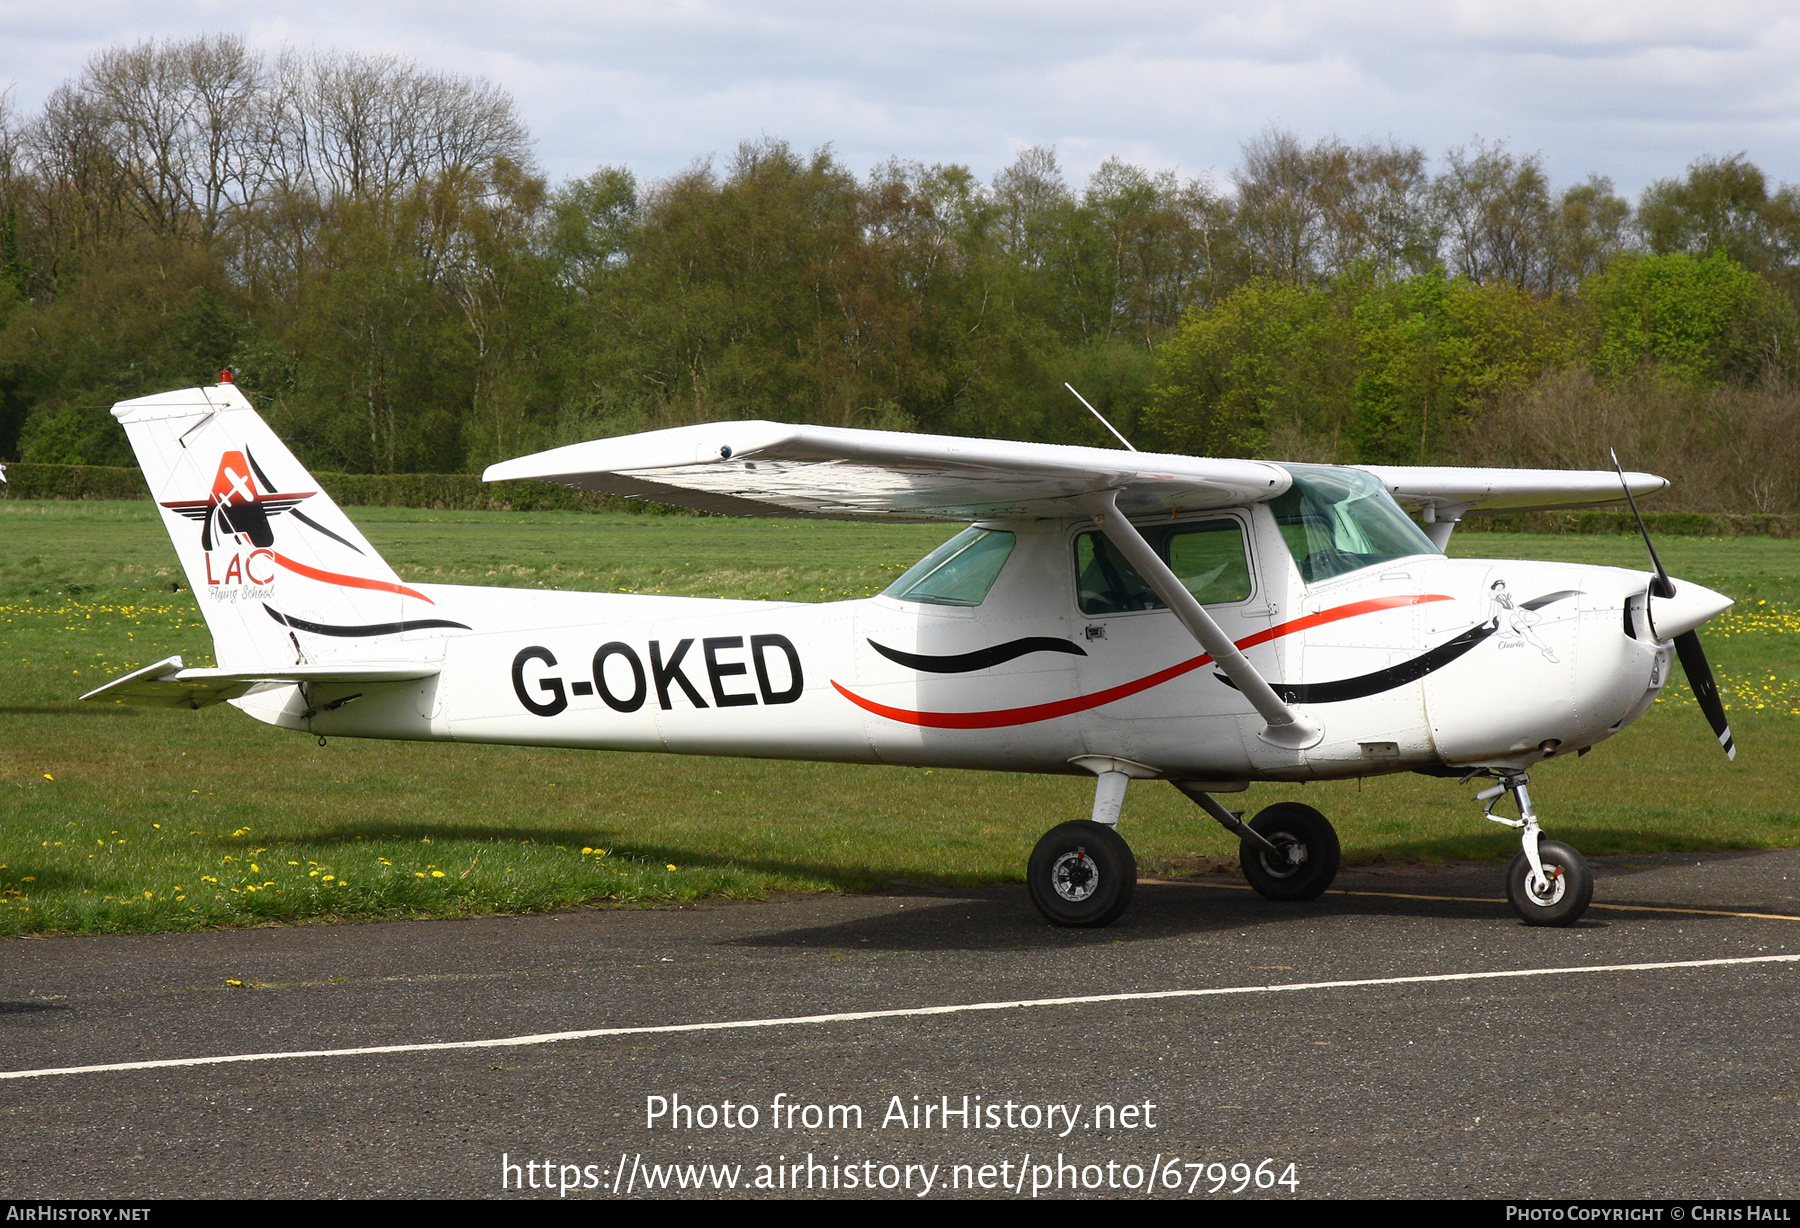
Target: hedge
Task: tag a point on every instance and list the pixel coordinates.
(466, 492)
(439, 491)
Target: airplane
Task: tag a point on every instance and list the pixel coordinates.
(1125, 615)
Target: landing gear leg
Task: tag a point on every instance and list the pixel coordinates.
(1548, 883)
(1082, 873)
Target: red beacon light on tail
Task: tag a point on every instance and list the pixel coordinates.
(225, 376)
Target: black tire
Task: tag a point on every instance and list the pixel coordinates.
(1082, 874)
(1308, 859)
(1571, 886)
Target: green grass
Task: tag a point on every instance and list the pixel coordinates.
(121, 819)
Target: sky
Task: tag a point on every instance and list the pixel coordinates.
(1632, 91)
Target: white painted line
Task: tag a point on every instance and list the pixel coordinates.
(550, 1038)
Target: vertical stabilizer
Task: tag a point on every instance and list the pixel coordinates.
(282, 575)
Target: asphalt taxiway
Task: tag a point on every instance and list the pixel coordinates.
(1665, 1076)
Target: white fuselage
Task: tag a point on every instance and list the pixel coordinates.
(1413, 663)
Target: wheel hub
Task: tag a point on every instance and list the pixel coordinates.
(1289, 856)
(1547, 895)
(1074, 876)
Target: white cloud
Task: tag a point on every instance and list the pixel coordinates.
(1630, 90)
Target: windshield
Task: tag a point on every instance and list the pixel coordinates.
(959, 572)
(1341, 520)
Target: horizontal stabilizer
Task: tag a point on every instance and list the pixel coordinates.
(777, 469)
(167, 685)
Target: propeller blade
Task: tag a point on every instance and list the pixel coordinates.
(1663, 587)
(1700, 679)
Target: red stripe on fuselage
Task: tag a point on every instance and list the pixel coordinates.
(343, 581)
(1081, 703)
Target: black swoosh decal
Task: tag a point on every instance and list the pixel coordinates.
(981, 658)
(1382, 679)
(1397, 675)
(411, 624)
(310, 523)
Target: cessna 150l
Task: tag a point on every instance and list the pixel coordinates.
(1134, 616)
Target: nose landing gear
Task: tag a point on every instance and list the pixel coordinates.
(1548, 883)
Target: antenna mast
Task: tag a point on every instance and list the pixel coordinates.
(1103, 422)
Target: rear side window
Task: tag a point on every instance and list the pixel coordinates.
(1207, 556)
(959, 572)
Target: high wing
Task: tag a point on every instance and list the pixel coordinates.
(167, 685)
(773, 469)
(1451, 491)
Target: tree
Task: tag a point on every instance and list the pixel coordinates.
(1496, 216)
(1269, 368)
(1700, 319)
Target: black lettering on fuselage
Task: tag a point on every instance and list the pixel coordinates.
(665, 674)
(635, 700)
(760, 643)
(551, 686)
(662, 674)
(717, 671)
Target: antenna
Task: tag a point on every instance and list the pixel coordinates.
(1103, 422)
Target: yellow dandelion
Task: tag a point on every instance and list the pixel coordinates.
(437, 874)
(672, 867)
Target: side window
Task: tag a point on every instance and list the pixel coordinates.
(1207, 556)
(959, 572)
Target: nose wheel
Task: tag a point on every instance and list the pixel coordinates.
(1548, 883)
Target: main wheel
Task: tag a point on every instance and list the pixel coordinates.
(1570, 890)
(1306, 857)
(1081, 873)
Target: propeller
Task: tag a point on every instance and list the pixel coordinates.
(1687, 644)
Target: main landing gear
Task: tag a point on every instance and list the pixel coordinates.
(1547, 883)
(1083, 873)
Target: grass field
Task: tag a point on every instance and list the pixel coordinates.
(121, 819)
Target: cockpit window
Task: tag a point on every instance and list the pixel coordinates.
(959, 572)
(1207, 556)
(1341, 520)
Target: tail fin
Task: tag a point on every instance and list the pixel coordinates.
(282, 575)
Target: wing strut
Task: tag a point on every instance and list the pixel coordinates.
(1286, 728)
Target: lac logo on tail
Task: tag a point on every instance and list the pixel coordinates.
(242, 502)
